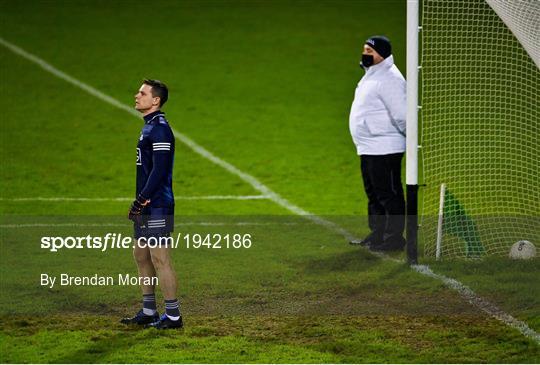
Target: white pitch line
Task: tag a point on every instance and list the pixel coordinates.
(256, 184)
(480, 302)
(75, 199)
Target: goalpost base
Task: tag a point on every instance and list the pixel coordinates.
(412, 224)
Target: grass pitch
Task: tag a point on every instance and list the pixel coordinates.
(266, 86)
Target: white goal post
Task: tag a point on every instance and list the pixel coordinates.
(411, 163)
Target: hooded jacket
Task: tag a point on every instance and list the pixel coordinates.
(378, 112)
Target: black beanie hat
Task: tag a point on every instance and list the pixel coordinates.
(381, 44)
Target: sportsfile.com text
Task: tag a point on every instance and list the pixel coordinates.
(117, 240)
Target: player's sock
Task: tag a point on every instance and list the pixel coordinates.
(172, 309)
(149, 304)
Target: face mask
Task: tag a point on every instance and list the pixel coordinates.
(367, 60)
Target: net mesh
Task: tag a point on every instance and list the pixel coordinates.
(522, 18)
(480, 124)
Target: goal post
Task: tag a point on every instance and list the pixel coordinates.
(411, 163)
(479, 125)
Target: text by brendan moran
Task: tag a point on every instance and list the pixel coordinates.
(96, 280)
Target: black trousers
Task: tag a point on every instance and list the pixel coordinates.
(386, 204)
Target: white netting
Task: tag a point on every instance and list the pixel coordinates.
(480, 124)
(522, 18)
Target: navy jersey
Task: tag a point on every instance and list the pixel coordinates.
(155, 157)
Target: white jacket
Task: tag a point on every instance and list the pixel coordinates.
(378, 112)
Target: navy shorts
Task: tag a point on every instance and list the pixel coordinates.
(157, 222)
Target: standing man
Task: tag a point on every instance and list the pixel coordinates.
(377, 126)
(152, 212)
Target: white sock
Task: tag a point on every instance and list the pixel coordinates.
(173, 318)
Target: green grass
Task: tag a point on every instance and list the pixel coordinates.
(266, 86)
(249, 78)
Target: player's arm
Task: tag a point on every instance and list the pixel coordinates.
(161, 157)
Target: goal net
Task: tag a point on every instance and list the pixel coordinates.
(480, 102)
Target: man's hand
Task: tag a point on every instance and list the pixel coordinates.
(135, 212)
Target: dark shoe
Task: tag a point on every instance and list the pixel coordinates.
(140, 318)
(165, 323)
(386, 247)
(357, 243)
(365, 242)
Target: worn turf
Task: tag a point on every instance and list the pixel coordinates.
(267, 339)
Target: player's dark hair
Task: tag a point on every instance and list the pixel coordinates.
(159, 89)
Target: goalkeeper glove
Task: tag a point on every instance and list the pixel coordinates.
(135, 212)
